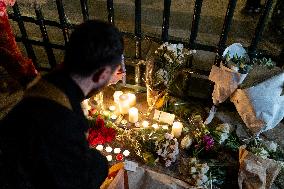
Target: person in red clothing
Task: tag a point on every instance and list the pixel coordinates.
(19, 67)
(43, 138)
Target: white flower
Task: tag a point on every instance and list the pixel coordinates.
(262, 153)
(192, 160)
(180, 46)
(192, 170)
(192, 51)
(186, 142)
(223, 137)
(159, 152)
(204, 178)
(225, 128)
(271, 146)
(168, 163)
(204, 168)
(169, 136)
(168, 58)
(198, 182)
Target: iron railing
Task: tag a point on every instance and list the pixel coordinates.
(65, 26)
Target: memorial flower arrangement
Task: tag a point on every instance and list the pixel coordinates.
(198, 140)
(168, 149)
(100, 131)
(162, 69)
(198, 173)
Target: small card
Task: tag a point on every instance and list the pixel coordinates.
(130, 166)
(164, 117)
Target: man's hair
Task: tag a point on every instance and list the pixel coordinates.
(93, 45)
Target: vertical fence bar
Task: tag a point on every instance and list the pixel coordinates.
(138, 38)
(48, 49)
(110, 10)
(166, 20)
(225, 31)
(259, 29)
(195, 23)
(28, 46)
(85, 10)
(138, 33)
(63, 20)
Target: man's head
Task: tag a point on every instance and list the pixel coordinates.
(94, 54)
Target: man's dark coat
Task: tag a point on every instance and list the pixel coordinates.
(43, 142)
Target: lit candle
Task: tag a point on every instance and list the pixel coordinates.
(126, 153)
(116, 96)
(100, 147)
(176, 129)
(108, 149)
(133, 115)
(131, 99)
(145, 124)
(106, 113)
(155, 126)
(112, 108)
(165, 127)
(123, 104)
(109, 157)
(116, 150)
(113, 117)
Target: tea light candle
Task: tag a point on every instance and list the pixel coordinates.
(106, 113)
(123, 104)
(113, 117)
(116, 150)
(116, 96)
(145, 124)
(112, 108)
(100, 147)
(126, 153)
(165, 127)
(109, 157)
(131, 99)
(155, 126)
(176, 129)
(133, 115)
(108, 149)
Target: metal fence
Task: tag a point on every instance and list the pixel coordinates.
(65, 26)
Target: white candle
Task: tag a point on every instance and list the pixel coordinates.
(116, 150)
(112, 108)
(106, 113)
(132, 99)
(109, 157)
(113, 117)
(155, 126)
(145, 124)
(126, 153)
(133, 115)
(177, 129)
(123, 104)
(108, 149)
(116, 96)
(100, 147)
(165, 127)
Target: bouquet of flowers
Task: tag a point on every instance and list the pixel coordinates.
(162, 70)
(198, 172)
(99, 132)
(198, 140)
(258, 168)
(231, 73)
(167, 149)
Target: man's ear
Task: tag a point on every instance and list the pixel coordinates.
(103, 75)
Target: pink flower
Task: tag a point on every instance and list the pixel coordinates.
(208, 142)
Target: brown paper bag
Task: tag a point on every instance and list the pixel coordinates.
(256, 172)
